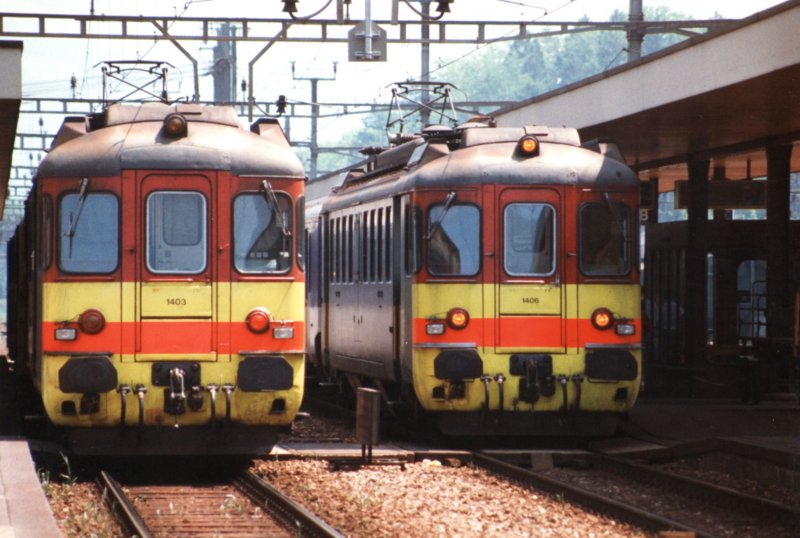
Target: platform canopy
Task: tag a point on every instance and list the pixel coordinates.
(10, 98)
(723, 95)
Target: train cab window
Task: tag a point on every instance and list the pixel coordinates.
(529, 239)
(88, 233)
(262, 238)
(413, 239)
(301, 233)
(605, 239)
(453, 240)
(176, 232)
(46, 233)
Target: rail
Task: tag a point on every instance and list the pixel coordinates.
(619, 510)
(283, 511)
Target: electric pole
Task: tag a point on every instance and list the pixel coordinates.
(314, 144)
(224, 69)
(635, 32)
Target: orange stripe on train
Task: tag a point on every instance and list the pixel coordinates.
(527, 331)
(173, 337)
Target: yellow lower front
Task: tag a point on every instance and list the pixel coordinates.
(246, 408)
(595, 396)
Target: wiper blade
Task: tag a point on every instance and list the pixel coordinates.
(75, 217)
(451, 196)
(272, 200)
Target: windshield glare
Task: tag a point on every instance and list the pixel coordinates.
(454, 245)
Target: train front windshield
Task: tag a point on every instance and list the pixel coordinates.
(262, 235)
(605, 239)
(454, 240)
(89, 231)
(529, 247)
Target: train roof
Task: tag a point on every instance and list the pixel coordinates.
(126, 136)
(477, 154)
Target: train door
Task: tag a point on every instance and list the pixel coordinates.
(531, 291)
(343, 294)
(374, 318)
(176, 294)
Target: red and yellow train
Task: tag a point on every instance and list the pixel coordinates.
(156, 293)
(485, 276)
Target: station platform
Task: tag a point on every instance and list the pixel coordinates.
(684, 420)
(24, 509)
(676, 428)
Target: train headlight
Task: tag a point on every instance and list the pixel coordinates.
(66, 333)
(258, 320)
(625, 329)
(457, 318)
(434, 328)
(175, 125)
(602, 319)
(91, 321)
(528, 146)
(283, 333)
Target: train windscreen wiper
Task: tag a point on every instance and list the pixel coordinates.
(451, 196)
(272, 200)
(74, 217)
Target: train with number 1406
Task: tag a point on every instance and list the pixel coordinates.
(483, 279)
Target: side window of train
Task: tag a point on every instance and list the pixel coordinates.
(262, 237)
(334, 249)
(604, 240)
(454, 240)
(356, 273)
(387, 246)
(301, 233)
(176, 232)
(413, 239)
(46, 255)
(529, 239)
(88, 231)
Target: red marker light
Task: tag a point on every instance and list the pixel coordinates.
(457, 318)
(258, 320)
(91, 321)
(602, 319)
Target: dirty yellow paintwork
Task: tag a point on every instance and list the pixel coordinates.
(64, 301)
(535, 299)
(247, 408)
(176, 300)
(577, 301)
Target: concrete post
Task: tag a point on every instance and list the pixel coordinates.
(696, 249)
(779, 307)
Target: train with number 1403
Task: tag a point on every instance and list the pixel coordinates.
(156, 282)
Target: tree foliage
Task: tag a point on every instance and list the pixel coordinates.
(521, 69)
(529, 67)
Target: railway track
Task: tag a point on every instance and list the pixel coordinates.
(245, 506)
(656, 500)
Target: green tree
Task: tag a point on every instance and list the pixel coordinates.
(520, 69)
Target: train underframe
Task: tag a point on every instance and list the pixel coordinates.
(100, 405)
(464, 392)
(580, 392)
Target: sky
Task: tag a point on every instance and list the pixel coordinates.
(47, 69)
(48, 64)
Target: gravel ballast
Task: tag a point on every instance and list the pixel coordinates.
(431, 499)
